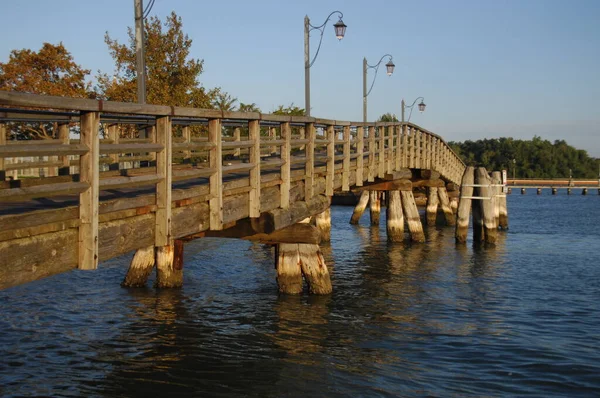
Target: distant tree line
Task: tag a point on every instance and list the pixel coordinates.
(536, 158)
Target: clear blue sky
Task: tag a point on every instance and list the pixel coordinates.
(487, 68)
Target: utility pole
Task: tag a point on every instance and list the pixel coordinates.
(139, 51)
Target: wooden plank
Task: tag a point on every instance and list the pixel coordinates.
(254, 158)
(130, 148)
(381, 153)
(412, 217)
(20, 150)
(113, 134)
(162, 236)
(372, 150)
(346, 161)
(89, 173)
(398, 174)
(285, 168)
(330, 160)
(187, 137)
(42, 191)
(360, 149)
(30, 165)
(216, 179)
(309, 168)
(2, 142)
(129, 182)
(397, 185)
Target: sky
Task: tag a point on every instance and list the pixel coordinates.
(486, 68)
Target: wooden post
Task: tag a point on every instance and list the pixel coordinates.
(314, 269)
(360, 161)
(323, 224)
(464, 205)
(372, 149)
(89, 172)
(113, 135)
(330, 173)
(398, 159)
(522, 191)
(63, 136)
(236, 138)
(2, 142)
(568, 191)
(381, 157)
(254, 159)
(187, 139)
(489, 221)
(289, 273)
(309, 170)
(390, 150)
(448, 214)
(302, 137)
(584, 191)
(273, 136)
(140, 268)
(539, 191)
(554, 191)
(375, 207)
(412, 216)
(432, 205)
(418, 149)
(497, 191)
(405, 156)
(395, 217)
(286, 182)
(346, 161)
(360, 207)
(167, 276)
(216, 178)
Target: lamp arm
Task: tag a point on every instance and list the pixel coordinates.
(411, 107)
(321, 28)
(376, 67)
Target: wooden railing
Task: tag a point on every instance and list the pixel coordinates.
(186, 144)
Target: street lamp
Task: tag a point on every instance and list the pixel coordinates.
(389, 70)
(340, 31)
(514, 170)
(421, 107)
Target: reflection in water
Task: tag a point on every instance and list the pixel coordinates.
(405, 319)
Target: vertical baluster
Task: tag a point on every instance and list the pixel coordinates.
(330, 161)
(346, 161)
(216, 178)
(254, 159)
(360, 161)
(309, 170)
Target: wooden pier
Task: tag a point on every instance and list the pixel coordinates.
(584, 186)
(123, 177)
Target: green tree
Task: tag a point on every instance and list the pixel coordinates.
(248, 107)
(172, 76)
(388, 117)
(224, 101)
(289, 110)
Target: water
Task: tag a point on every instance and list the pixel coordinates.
(522, 319)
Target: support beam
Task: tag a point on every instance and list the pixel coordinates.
(412, 216)
(444, 201)
(323, 224)
(140, 268)
(167, 276)
(394, 217)
(289, 272)
(360, 207)
(314, 269)
(375, 207)
(396, 185)
(432, 205)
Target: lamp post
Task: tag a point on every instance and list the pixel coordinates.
(514, 170)
(421, 107)
(340, 31)
(389, 69)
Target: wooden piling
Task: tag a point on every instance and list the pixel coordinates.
(412, 216)
(445, 204)
(568, 191)
(375, 207)
(522, 191)
(166, 274)
(314, 269)
(432, 205)
(487, 206)
(394, 217)
(464, 205)
(140, 268)
(360, 207)
(323, 224)
(498, 194)
(539, 191)
(289, 273)
(584, 191)
(554, 191)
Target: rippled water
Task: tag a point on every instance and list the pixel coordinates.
(521, 319)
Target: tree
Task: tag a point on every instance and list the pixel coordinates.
(289, 110)
(248, 107)
(387, 117)
(223, 101)
(172, 77)
(50, 71)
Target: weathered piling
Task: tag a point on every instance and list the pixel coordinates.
(140, 268)
(432, 205)
(554, 191)
(584, 191)
(487, 206)
(375, 207)
(412, 217)
(287, 264)
(360, 207)
(394, 217)
(568, 191)
(522, 191)
(167, 276)
(498, 194)
(314, 269)
(448, 214)
(323, 224)
(464, 205)
(539, 191)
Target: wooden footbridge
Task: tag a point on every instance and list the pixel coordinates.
(123, 177)
(554, 184)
